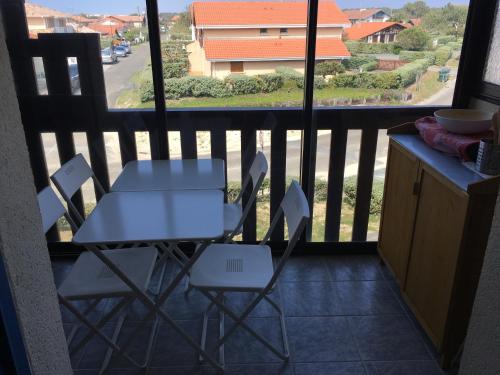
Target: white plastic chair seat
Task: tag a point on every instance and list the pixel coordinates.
(232, 216)
(91, 278)
(233, 267)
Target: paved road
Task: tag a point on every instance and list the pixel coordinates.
(117, 76)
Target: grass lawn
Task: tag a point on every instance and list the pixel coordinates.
(426, 87)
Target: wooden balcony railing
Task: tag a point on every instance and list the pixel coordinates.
(63, 114)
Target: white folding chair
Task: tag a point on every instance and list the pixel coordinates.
(69, 179)
(248, 268)
(234, 215)
(91, 280)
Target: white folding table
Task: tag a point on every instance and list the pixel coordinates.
(185, 174)
(156, 217)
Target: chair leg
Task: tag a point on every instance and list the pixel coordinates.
(239, 321)
(284, 336)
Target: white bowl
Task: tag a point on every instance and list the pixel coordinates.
(464, 121)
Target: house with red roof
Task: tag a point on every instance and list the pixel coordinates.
(256, 37)
(41, 19)
(374, 32)
(366, 15)
(129, 22)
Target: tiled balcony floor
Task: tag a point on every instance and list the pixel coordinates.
(344, 316)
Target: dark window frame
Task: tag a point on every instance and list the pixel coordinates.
(264, 31)
(283, 30)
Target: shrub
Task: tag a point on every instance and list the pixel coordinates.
(385, 80)
(176, 88)
(442, 54)
(408, 73)
(320, 190)
(146, 91)
(175, 59)
(370, 48)
(174, 70)
(369, 66)
(319, 82)
(271, 82)
(356, 61)
(208, 86)
(290, 74)
(240, 84)
(442, 40)
(415, 55)
(329, 68)
(455, 46)
(414, 39)
(376, 196)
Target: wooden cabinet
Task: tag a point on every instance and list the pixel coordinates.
(435, 223)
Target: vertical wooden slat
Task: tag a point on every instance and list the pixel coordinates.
(158, 139)
(128, 145)
(92, 84)
(248, 151)
(278, 172)
(218, 150)
(364, 184)
(338, 148)
(188, 142)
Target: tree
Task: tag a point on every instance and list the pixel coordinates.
(417, 9)
(414, 39)
(449, 20)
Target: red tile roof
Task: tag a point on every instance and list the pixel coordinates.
(360, 14)
(35, 10)
(416, 21)
(271, 49)
(262, 14)
(362, 30)
(128, 19)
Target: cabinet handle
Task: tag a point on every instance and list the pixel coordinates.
(416, 188)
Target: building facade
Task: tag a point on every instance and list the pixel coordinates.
(256, 37)
(366, 15)
(374, 32)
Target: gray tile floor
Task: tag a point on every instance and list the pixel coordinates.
(344, 316)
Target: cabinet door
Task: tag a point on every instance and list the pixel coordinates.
(398, 211)
(439, 226)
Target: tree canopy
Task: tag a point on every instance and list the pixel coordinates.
(414, 39)
(449, 20)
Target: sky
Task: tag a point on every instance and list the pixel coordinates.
(130, 6)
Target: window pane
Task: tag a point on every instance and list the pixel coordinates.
(492, 72)
(123, 40)
(388, 56)
(228, 54)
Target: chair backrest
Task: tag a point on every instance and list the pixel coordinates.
(255, 176)
(295, 209)
(51, 209)
(69, 179)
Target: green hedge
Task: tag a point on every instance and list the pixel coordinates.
(271, 82)
(329, 68)
(176, 88)
(370, 48)
(356, 61)
(319, 82)
(442, 54)
(415, 55)
(408, 73)
(442, 40)
(175, 59)
(384, 80)
(369, 66)
(376, 197)
(240, 84)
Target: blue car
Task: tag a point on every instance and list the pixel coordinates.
(120, 51)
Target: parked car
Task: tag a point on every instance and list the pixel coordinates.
(120, 51)
(127, 46)
(74, 78)
(108, 56)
